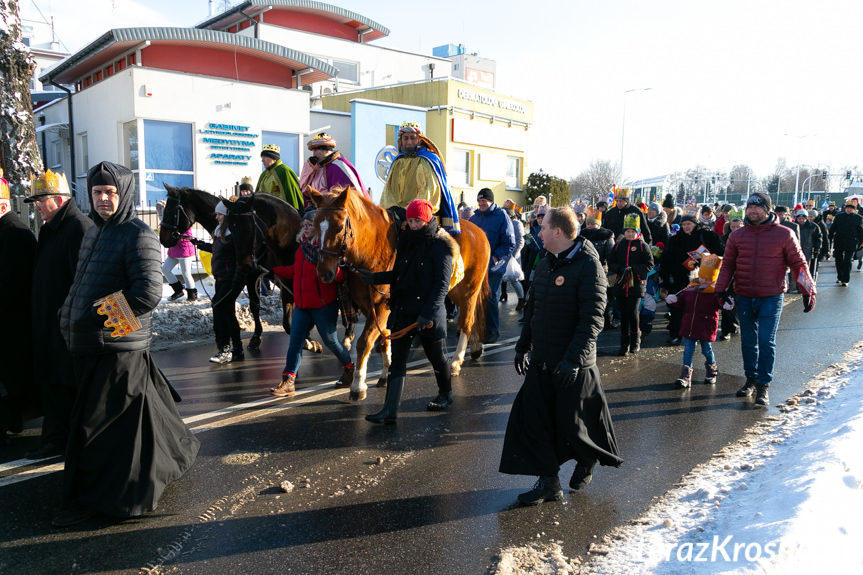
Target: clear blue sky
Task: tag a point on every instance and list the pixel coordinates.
(728, 79)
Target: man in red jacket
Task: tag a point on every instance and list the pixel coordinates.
(756, 257)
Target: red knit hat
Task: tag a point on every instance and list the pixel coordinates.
(420, 209)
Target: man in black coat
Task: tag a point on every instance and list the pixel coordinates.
(560, 412)
(17, 246)
(63, 228)
(846, 233)
(613, 218)
(126, 440)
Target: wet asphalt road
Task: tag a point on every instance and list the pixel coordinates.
(420, 497)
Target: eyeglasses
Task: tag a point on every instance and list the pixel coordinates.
(308, 225)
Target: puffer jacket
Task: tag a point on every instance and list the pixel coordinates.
(121, 253)
(565, 308)
(636, 256)
(756, 258)
(603, 240)
(498, 229)
(701, 314)
(659, 228)
(673, 274)
(309, 291)
(846, 232)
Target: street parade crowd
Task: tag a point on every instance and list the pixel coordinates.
(86, 289)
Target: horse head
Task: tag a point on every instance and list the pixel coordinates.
(175, 218)
(247, 232)
(334, 226)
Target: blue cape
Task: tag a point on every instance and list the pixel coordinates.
(448, 212)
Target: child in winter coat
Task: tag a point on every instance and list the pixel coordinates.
(700, 319)
(316, 304)
(631, 261)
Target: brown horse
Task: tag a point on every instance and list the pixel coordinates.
(364, 235)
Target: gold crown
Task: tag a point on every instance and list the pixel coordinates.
(246, 180)
(4, 188)
(272, 148)
(49, 184)
(410, 127)
(322, 140)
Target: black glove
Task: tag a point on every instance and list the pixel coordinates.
(195, 241)
(566, 373)
(808, 303)
(367, 276)
(522, 361)
(424, 322)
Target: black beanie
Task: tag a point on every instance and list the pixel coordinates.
(485, 194)
(759, 199)
(688, 218)
(270, 154)
(247, 187)
(668, 202)
(99, 176)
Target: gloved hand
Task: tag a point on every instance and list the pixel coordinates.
(808, 303)
(522, 361)
(566, 373)
(725, 298)
(367, 276)
(671, 298)
(424, 322)
(195, 241)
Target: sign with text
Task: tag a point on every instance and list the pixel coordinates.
(229, 143)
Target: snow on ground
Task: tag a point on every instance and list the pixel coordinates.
(788, 498)
(191, 323)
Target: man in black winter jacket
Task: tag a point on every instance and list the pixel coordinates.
(846, 233)
(127, 440)
(613, 218)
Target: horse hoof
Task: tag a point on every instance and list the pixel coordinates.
(455, 369)
(357, 395)
(255, 343)
(347, 344)
(382, 382)
(476, 354)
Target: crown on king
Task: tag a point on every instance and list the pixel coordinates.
(272, 148)
(50, 183)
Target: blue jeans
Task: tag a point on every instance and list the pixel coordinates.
(302, 321)
(759, 320)
(689, 351)
(492, 315)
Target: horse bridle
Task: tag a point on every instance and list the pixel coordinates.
(348, 232)
(258, 227)
(175, 227)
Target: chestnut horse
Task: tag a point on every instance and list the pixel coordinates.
(353, 228)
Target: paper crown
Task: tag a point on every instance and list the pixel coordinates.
(736, 214)
(48, 184)
(631, 222)
(322, 140)
(410, 127)
(272, 148)
(690, 210)
(710, 264)
(622, 193)
(246, 180)
(4, 188)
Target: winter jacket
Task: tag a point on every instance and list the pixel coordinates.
(791, 225)
(659, 229)
(120, 253)
(518, 235)
(719, 226)
(183, 249)
(756, 258)
(224, 262)
(565, 308)
(701, 314)
(673, 274)
(613, 220)
(309, 291)
(603, 241)
(810, 240)
(498, 229)
(847, 232)
(17, 247)
(634, 255)
(419, 280)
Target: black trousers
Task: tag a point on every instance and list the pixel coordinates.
(434, 349)
(675, 321)
(225, 324)
(628, 314)
(843, 264)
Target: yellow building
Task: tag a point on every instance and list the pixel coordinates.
(482, 134)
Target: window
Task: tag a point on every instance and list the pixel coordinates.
(56, 155)
(130, 144)
(83, 154)
(458, 169)
(348, 71)
(167, 155)
(513, 173)
(290, 148)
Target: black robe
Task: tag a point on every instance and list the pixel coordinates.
(550, 424)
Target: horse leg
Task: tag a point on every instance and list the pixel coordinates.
(364, 347)
(386, 359)
(350, 331)
(255, 309)
(458, 356)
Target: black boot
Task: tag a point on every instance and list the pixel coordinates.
(747, 388)
(191, 294)
(581, 475)
(624, 344)
(635, 342)
(178, 291)
(441, 402)
(761, 396)
(546, 488)
(393, 398)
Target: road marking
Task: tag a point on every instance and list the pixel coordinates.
(250, 410)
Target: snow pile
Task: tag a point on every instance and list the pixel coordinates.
(788, 498)
(191, 322)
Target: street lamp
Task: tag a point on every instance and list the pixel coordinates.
(623, 129)
(797, 181)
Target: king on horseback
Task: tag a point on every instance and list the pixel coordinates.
(418, 172)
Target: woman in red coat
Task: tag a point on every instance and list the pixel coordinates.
(700, 319)
(316, 304)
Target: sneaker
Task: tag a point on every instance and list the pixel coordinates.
(224, 356)
(545, 489)
(674, 341)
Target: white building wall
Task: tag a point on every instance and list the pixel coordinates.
(339, 128)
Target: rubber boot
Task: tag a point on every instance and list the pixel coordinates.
(761, 396)
(624, 344)
(178, 291)
(711, 371)
(393, 398)
(635, 342)
(685, 379)
(191, 294)
(748, 387)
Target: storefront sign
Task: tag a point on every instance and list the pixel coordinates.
(241, 142)
(492, 100)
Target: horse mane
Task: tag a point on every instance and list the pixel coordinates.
(360, 207)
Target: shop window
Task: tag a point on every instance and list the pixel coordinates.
(513, 173)
(458, 169)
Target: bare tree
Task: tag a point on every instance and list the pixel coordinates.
(19, 151)
(594, 183)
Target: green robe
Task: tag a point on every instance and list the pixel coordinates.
(280, 180)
